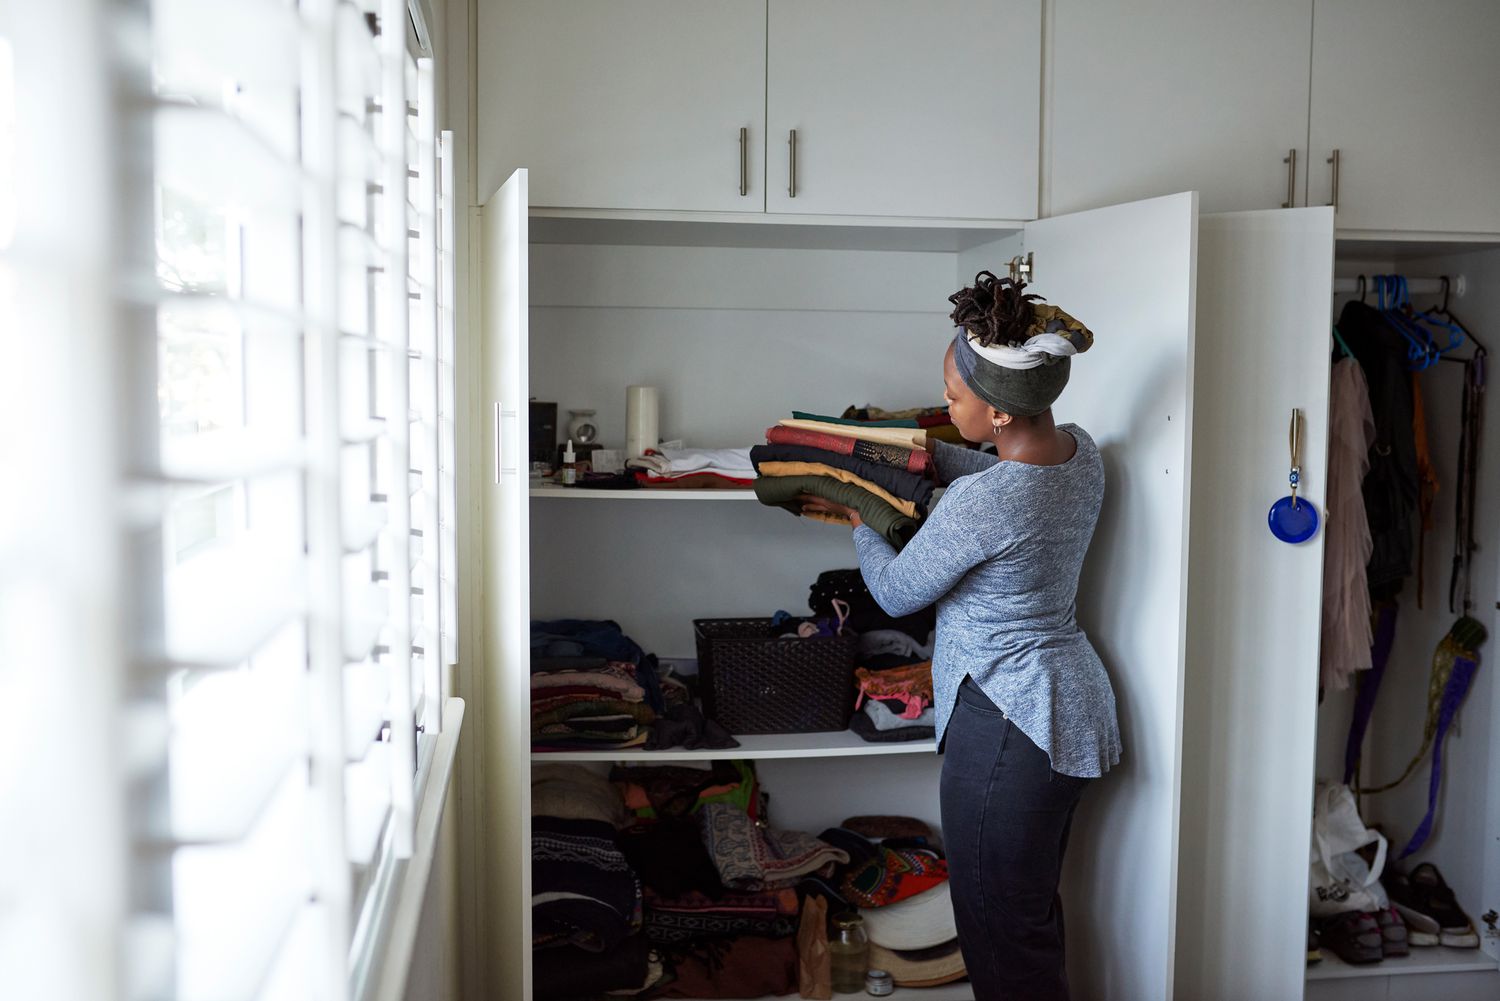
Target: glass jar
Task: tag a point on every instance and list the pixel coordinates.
(849, 952)
(878, 983)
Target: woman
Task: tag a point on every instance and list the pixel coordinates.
(1025, 711)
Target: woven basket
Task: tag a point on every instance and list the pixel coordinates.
(752, 682)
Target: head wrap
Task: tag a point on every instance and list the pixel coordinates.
(1023, 368)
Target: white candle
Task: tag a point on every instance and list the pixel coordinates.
(641, 413)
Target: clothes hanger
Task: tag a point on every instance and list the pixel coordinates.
(1391, 294)
(1339, 339)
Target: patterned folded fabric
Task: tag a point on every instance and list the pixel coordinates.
(897, 482)
(910, 685)
(617, 677)
(575, 792)
(582, 892)
(692, 916)
(749, 857)
(561, 710)
(900, 457)
(875, 422)
(906, 507)
(894, 874)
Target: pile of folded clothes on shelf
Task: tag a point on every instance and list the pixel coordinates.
(897, 878)
(594, 688)
(694, 469)
(867, 459)
(591, 687)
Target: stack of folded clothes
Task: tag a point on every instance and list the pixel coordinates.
(866, 459)
(895, 688)
(694, 468)
(591, 687)
(586, 902)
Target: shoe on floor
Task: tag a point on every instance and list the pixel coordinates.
(1437, 900)
(1314, 950)
(1393, 934)
(1354, 937)
(1422, 928)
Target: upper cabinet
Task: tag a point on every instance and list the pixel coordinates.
(1406, 93)
(894, 108)
(1148, 98)
(648, 105)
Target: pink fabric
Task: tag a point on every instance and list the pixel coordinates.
(1347, 543)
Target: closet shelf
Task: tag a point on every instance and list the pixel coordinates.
(839, 744)
(548, 490)
(1421, 961)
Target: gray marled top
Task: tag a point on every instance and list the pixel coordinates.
(1000, 555)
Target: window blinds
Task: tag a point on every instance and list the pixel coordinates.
(236, 578)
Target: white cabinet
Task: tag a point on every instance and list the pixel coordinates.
(1407, 95)
(903, 109)
(1155, 96)
(635, 106)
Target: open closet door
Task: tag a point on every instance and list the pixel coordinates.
(1127, 271)
(506, 601)
(1254, 609)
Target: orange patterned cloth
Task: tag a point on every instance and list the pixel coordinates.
(910, 685)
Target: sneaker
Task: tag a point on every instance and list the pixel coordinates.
(1422, 929)
(1393, 935)
(1437, 900)
(1354, 937)
(1314, 950)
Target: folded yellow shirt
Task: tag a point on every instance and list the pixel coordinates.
(904, 437)
(906, 507)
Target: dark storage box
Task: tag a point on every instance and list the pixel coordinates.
(752, 682)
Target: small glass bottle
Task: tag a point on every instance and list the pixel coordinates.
(849, 951)
(570, 465)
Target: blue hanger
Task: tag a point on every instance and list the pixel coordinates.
(1392, 294)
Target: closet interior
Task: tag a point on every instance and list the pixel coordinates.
(1391, 770)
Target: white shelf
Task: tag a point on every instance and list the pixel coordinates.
(837, 744)
(549, 490)
(1436, 959)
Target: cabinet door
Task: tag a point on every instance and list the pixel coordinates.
(1406, 93)
(1155, 96)
(1254, 607)
(1127, 271)
(506, 601)
(903, 109)
(625, 105)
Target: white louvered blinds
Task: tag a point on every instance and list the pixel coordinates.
(244, 352)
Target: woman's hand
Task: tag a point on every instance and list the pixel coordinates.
(822, 505)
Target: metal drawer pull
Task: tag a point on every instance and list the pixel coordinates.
(791, 187)
(744, 180)
(1291, 178)
(1334, 162)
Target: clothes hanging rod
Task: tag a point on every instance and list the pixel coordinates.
(1416, 286)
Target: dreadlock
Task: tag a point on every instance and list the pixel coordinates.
(994, 310)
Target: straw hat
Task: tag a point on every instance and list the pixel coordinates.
(918, 922)
(933, 967)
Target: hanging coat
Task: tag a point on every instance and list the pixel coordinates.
(1392, 484)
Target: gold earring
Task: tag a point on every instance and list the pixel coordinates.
(997, 426)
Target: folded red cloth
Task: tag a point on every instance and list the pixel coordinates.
(912, 460)
(694, 481)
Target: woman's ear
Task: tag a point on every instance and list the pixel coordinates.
(999, 418)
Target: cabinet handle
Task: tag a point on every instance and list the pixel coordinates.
(744, 182)
(791, 184)
(1333, 161)
(1291, 178)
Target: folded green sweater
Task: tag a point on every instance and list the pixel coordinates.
(782, 491)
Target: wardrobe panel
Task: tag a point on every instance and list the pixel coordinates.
(1128, 273)
(1406, 93)
(1155, 96)
(634, 105)
(506, 604)
(1254, 604)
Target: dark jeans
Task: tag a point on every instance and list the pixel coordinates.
(1006, 815)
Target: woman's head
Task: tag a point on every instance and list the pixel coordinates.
(1012, 355)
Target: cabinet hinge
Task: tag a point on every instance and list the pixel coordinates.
(1023, 269)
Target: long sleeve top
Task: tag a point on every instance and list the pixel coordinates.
(1001, 555)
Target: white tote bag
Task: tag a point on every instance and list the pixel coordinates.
(1340, 880)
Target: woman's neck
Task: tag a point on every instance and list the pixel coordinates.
(1037, 442)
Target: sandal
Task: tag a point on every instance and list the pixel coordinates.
(1354, 937)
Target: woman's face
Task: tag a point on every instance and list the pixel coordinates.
(972, 416)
